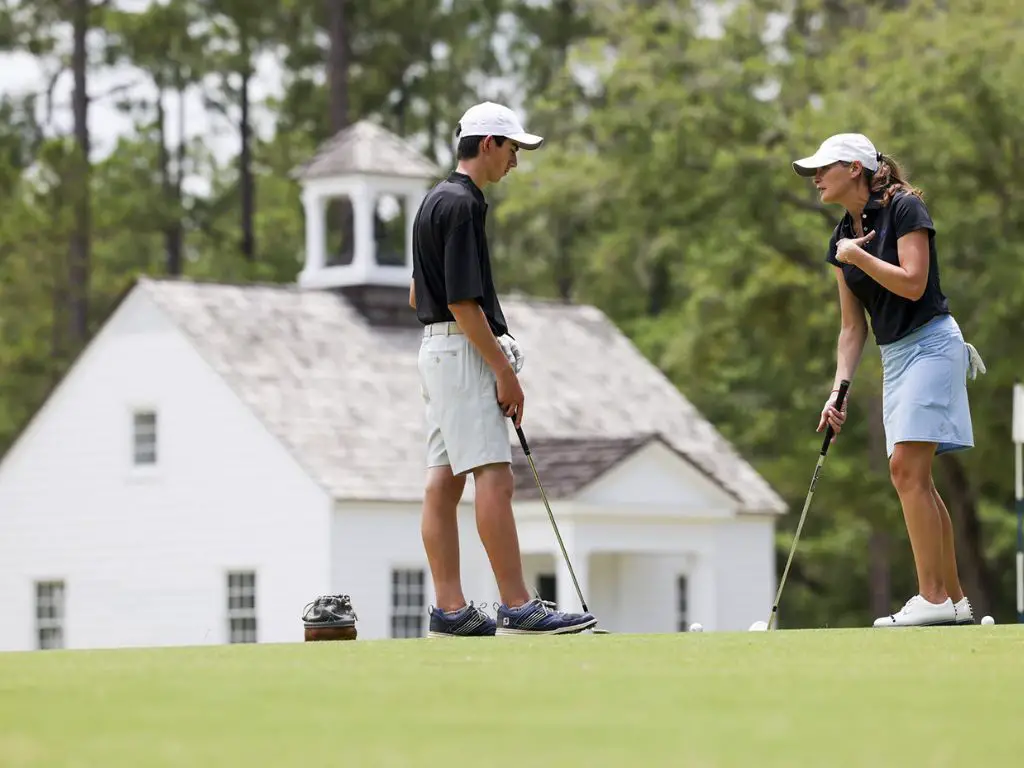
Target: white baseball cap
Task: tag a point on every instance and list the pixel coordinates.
(845, 147)
(490, 119)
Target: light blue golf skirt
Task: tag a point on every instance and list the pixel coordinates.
(924, 388)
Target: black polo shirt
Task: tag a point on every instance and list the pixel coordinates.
(450, 258)
(892, 316)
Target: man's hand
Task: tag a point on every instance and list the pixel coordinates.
(510, 394)
(847, 250)
(473, 323)
(512, 352)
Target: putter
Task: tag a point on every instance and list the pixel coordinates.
(554, 525)
(843, 386)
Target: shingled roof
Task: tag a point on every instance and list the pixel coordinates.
(568, 464)
(367, 148)
(344, 395)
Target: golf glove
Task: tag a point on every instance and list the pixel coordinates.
(512, 352)
(975, 363)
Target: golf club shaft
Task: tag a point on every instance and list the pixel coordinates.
(551, 517)
(843, 387)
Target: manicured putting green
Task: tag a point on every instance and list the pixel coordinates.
(923, 697)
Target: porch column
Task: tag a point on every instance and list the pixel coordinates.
(567, 598)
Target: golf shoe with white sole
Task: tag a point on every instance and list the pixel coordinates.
(918, 612)
(539, 617)
(468, 621)
(964, 612)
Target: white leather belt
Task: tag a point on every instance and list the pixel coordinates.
(442, 329)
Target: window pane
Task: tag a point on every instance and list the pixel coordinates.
(50, 638)
(241, 607)
(408, 602)
(50, 614)
(243, 630)
(681, 603)
(144, 437)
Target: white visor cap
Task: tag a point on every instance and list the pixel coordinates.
(490, 119)
(843, 147)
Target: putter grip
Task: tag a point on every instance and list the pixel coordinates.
(843, 386)
(522, 440)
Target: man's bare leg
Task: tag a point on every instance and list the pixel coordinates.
(440, 531)
(497, 528)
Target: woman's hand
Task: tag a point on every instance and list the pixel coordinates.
(847, 250)
(831, 416)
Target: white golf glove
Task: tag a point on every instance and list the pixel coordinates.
(512, 352)
(976, 363)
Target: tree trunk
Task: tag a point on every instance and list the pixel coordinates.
(245, 171)
(340, 217)
(79, 257)
(564, 277)
(176, 234)
(171, 209)
(337, 65)
(879, 562)
(879, 572)
(659, 292)
(962, 503)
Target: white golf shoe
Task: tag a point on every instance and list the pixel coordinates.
(918, 612)
(964, 612)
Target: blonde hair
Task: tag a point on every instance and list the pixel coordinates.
(889, 180)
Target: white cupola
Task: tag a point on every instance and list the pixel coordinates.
(382, 178)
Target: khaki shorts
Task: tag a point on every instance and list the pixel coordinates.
(465, 426)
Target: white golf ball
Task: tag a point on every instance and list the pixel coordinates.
(695, 627)
(759, 626)
(987, 620)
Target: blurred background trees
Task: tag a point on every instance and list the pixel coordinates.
(157, 138)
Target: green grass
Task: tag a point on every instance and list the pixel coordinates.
(922, 697)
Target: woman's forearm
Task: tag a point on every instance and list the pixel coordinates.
(893, 277)
(849, 350)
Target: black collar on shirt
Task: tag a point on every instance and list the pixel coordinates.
(873, 204)
(466, 181)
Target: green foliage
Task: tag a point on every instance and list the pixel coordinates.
(687, 224)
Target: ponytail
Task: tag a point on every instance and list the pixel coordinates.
(889, 180)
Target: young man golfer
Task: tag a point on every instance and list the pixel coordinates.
(468, 369)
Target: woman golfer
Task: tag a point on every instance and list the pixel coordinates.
(883, 251)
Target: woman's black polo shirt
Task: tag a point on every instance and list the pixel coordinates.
(892, 316)
(450, 258)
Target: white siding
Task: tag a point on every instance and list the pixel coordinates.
(730, 567)
(144, 552)
(745, 577)
(369, 540)
(631, 535)
(655, 477)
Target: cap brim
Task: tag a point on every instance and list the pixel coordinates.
(527, 140)
(808, 166)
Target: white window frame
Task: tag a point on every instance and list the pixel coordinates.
(682, 602)
(145, 442)
(408, 588)
(242, 624)
(50, 605)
